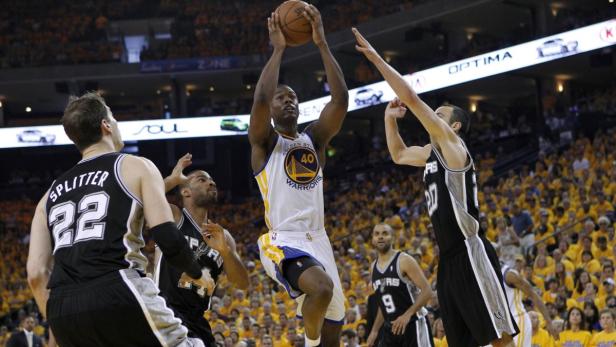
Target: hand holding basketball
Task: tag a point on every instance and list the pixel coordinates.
(275, 32)
(364, 46)
(395, 109)
(295, 26)
(312, 14)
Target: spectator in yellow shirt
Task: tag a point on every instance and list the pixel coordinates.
(580, 284)
(265, 341)
(575, 333)
(558, 257)
(606, 292)
(589, 264)
(440, 340)
(602, 207)
(563, 277)
(601, 251)
(607, 337)
(541, 267)
(541, 337)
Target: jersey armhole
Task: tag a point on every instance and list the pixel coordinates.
(308, 132)
(117, 168)
(441, 159)
(505, 277)
(399, 271)
(269, 154)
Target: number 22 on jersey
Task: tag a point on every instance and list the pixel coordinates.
(91, 210)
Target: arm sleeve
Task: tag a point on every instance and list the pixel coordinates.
(176, 249)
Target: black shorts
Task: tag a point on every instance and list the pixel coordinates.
(417, 334)
(471, 296)
(118, 309)
(198, 327)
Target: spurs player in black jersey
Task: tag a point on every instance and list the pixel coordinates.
(469, 280)
(215, 252)
(85, 265)
(402, 291)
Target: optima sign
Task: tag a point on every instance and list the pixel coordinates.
(531, 53)
(478, 62)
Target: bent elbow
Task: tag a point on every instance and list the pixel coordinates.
(37, 277)
(396, 157)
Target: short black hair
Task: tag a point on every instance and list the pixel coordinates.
(459, 115)
(82, 119)
(178, 190)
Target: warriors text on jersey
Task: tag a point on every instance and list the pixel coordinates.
(396, 293)
(187, 300)
(291, 184)
(95, 222)
(451, 196)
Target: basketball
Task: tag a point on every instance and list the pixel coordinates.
(295, 27)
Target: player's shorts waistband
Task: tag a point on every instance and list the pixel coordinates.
(309, 235)
(102, 281)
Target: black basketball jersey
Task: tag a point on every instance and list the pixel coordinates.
(188, 299)
(395, 293)
(94, 221)
(451, 196)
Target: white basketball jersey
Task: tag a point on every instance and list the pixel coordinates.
(514, 295)
(291, 185)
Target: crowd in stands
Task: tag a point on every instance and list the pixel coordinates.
(33, 33)
(553, 221)
(223, 28)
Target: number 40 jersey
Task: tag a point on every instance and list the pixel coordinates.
(95, 222)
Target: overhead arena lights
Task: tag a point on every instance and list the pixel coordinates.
(507, 59)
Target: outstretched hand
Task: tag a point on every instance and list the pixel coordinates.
(364, 46)
(178, 171)
(275, 32)
(313, 15)
(214, 236)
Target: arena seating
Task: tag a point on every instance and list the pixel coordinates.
(568, 194)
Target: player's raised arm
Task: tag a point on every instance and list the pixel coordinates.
(440, 131)
(260, 131)
(400, 153)
(145, 181)
(333, 114)
(177, 178)
(40, 257)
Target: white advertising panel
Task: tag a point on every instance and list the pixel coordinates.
(489, 64)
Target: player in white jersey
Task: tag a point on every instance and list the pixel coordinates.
(296, 251)
(516, 288)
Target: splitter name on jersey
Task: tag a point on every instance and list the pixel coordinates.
(92, 178)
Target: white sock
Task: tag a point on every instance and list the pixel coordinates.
(311, 343)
